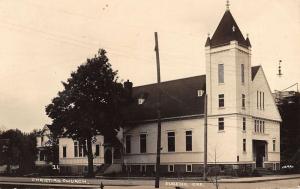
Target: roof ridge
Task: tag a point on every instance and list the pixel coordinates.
(163, 82)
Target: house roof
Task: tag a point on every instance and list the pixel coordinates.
(227, 31)
(179, 98)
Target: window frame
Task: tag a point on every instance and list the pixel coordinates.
(97, 150)
(189, 148)
(244, 124)
(243, 73)
(143, 136)
(173, 168)
(243, 101)
(186, 168)
(221, 98)
(169, 143)
(128, 141)
(221, 124)
(221, 73)
(64, 154)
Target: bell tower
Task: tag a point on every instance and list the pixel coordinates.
(228, 69)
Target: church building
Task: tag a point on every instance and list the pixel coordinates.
(243, 123)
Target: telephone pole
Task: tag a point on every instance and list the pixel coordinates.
(158, 114)
(205, 138)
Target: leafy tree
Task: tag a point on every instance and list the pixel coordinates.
(20, 149)
(89, 104)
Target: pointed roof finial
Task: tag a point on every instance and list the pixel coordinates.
(227, 5)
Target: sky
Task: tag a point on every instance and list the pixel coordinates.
(42, 42)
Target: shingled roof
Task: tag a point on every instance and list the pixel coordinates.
(179, 99)
(227, 31)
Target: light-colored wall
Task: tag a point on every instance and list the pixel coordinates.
(180, 155)
(71, 160)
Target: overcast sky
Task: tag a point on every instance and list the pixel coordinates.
(41, 42)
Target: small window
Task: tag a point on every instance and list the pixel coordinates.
(188, 141)
(171, 141)
(243, 73)
(171, 168)
(237, 158)
(243, 100)
(244, 124)
(143, 143)
(128, 144)
(274, 145)
(97, 153)
(263, 126)
(200, 93)
(244, 145)
(221, 73)
(188, 168)
(64, 151)
(221, 100)
(221, 123)
(141, 101)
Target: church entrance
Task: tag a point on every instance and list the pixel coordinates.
(259, 152)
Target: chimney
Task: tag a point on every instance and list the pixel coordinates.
(128, 88)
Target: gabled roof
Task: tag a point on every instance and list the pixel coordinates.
(227, 31)
(178, 98)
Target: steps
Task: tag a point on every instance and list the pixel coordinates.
(264, 171)
(102, 169)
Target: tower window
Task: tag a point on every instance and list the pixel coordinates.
(221, 123)
(243, 100)
(244, 145)
(243, 73)
(221, 73)
(244, 124)
(274, 145)
(221, 100)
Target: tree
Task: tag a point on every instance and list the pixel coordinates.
(20, 149)
(89, 104)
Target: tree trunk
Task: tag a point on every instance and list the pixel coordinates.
(90, 158)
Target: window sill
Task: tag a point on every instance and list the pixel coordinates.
(221, 131)
(221, 108)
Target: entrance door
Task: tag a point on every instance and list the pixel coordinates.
(108, 156)
(260, 151)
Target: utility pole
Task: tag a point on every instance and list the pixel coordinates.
(158, 114)
(205, 139)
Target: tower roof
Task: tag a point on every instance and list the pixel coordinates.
(227, 31)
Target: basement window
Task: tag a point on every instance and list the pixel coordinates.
(188, 168)
(171, 168)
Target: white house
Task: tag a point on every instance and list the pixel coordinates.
(243, 120)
